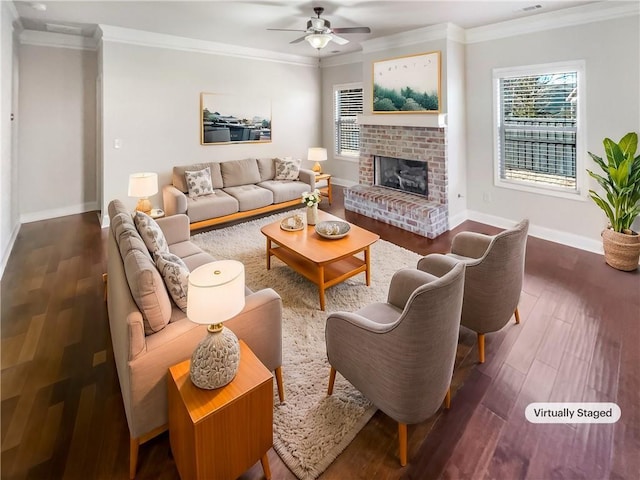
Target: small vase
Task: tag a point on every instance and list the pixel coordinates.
(312, 215)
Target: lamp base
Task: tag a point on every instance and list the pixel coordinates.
(144, 206)
(317, 168)
(215, 361)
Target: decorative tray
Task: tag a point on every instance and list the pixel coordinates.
(332, 229)
(292, 223)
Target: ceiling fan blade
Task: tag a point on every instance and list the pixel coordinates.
(285, 30)
(298, 40)
(339, 40)
(352, 30)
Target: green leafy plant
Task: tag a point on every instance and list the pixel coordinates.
(621, 182)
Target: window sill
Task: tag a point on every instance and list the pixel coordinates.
(347, 158)
(541, 190)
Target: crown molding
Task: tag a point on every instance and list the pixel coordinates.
(59, 40)
(593, 12)
(13, 13)
(160, 40)
(344, 59)
(441, 31)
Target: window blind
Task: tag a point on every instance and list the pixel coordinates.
(347, 105)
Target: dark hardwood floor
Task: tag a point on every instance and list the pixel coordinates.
(62, 414)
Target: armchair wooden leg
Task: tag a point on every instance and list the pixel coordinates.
(134, 444)
(265, 466)
(402, 440)
(447, 399)
(517, 314)
(280, 384)
(481, 347)
(332, 379)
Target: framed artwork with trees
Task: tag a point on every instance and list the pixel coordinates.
(409, 84)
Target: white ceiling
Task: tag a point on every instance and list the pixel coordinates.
(245, 23)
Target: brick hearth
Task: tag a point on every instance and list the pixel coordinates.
(426, 216)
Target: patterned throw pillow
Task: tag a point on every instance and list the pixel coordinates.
(151, 233)
(175, 275)
(199, 182)
(287, 169)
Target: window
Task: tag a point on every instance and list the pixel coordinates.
(347, 104)
(538, 128)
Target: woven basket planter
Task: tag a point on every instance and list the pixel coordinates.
(621, 251)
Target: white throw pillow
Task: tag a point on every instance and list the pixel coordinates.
(151, 233)
(287, 169)
(199, 182)
(175, 275)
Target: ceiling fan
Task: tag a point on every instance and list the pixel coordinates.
(319, 32)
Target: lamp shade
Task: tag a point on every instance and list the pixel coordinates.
(317, 154)
(143, 184)
(216, 292)
(318, 40)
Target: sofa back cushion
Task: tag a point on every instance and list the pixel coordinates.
(267, 169)
(126, 235)
(179, 181)
(240, 172)
(148, 291)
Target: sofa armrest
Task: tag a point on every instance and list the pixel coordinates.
(174, 200)
(259, 324)
(308, 176)
(175, 228)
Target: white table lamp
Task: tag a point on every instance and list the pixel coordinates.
(215, 294)
(142, 186)
(317, 154)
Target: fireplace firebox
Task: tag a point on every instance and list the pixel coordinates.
(409, 176)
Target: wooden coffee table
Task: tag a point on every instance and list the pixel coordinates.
(322, 261)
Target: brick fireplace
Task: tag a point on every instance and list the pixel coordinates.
(426, 216)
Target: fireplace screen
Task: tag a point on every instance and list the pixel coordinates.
(405, 175)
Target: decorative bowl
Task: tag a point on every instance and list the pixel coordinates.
(332, 229)
(293, 223)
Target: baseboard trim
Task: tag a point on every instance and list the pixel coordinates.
(58, 212)
(7, 252)
(343, 182)
(550, 234)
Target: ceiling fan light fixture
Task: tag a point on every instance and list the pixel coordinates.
(318, 40)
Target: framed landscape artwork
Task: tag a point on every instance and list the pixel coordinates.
(408, 84)
(229, 119)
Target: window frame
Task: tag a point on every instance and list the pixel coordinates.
(578, 66)
(338, 88)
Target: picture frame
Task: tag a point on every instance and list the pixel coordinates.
(228, 119)
(408, 84)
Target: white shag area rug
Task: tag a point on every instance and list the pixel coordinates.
(310, 429)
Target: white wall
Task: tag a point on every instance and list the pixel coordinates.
(341, 169)
(611, 50)
(151, 104)
(57, 132)
(9, 223)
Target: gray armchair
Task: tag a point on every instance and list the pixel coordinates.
(495, 268)
(400, 354)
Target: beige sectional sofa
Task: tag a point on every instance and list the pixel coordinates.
(150, 332)
(241, 188)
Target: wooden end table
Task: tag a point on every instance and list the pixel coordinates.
(325, 191)
(219, 434)
(324, 262)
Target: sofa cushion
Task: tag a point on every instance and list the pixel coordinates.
(287, 168)
(250, 197)
(151, 233)
(179, 181)
(285, 190)
(148, 291)
(267, 169)
(210, 206)
(199, 182)
(240, 172)
(175, 275)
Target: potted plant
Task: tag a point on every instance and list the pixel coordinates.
(621, 204)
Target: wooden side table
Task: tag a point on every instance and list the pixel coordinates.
(219, 434)
(326, 191)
